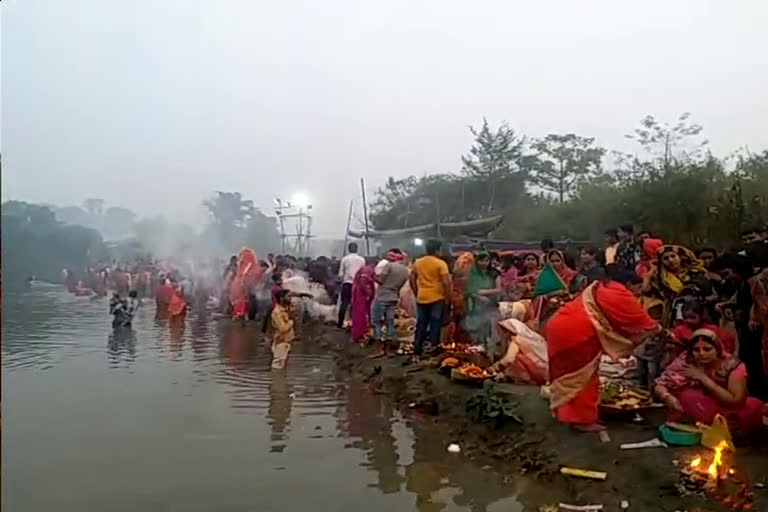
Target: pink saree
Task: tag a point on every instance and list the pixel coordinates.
(363, 289)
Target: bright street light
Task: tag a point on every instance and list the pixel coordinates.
(300, 200)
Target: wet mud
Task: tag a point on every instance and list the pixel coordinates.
(646, 478)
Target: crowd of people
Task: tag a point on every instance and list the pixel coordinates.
(696, 321)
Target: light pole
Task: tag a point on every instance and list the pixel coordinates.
(299, 210)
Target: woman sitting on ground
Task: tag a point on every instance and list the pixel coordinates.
(705, 381)
(676, 267)
(482, 293)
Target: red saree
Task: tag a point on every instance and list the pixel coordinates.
(177, 306)
(248, 272)
(163, 296)
(363, 291)
(606, 318)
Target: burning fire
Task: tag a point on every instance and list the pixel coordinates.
(717, 461)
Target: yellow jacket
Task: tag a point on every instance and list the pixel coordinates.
(282, 325)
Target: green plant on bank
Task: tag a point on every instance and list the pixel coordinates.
(489, 404)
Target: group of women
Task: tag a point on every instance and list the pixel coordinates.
(698, 376)
(693, 316)
(595, 310)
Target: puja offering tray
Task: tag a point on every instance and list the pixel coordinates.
(618, 398)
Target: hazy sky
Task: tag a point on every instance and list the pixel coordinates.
(152, 105)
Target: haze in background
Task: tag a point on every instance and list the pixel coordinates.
(153, 106)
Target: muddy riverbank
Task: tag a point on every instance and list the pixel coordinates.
(536, 450)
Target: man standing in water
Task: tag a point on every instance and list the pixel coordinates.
(431, 283)
(349, 266)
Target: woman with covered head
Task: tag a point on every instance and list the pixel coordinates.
(605, 318)
(649, 256)
(556, 258)
(482, 292)
(363, 292)
(525, 282)
(247, 272)
(676, 268)
(705, 381)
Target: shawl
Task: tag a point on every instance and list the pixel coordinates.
(674, 378)
(478, 279)
(675, 282)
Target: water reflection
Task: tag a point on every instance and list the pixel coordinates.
(121, 346)
(279, 412)
(205, 391)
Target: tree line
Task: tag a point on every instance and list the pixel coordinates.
(564, 186)
(41, 240)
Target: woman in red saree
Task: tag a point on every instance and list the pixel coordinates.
(605, 318)
(163, 296)
(648, 259)
(248, 271)
(363, 291)
(177, 305)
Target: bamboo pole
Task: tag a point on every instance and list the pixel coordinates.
(365, 214)
(346, 233)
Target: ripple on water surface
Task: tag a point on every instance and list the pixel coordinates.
(192, 418)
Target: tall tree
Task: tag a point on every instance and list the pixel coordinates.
(562, 161)
(670, 144)
(34, 243)
(494, 156)
(229, 209)
(236, 222)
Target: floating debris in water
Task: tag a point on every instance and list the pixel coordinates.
(454, 448)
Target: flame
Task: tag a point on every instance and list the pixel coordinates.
(717, 461)
(695, 462)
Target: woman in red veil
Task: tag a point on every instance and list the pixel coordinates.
(248, 271)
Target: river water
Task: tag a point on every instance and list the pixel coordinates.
(193, 419)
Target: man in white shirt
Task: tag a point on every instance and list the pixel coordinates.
(348, 267)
